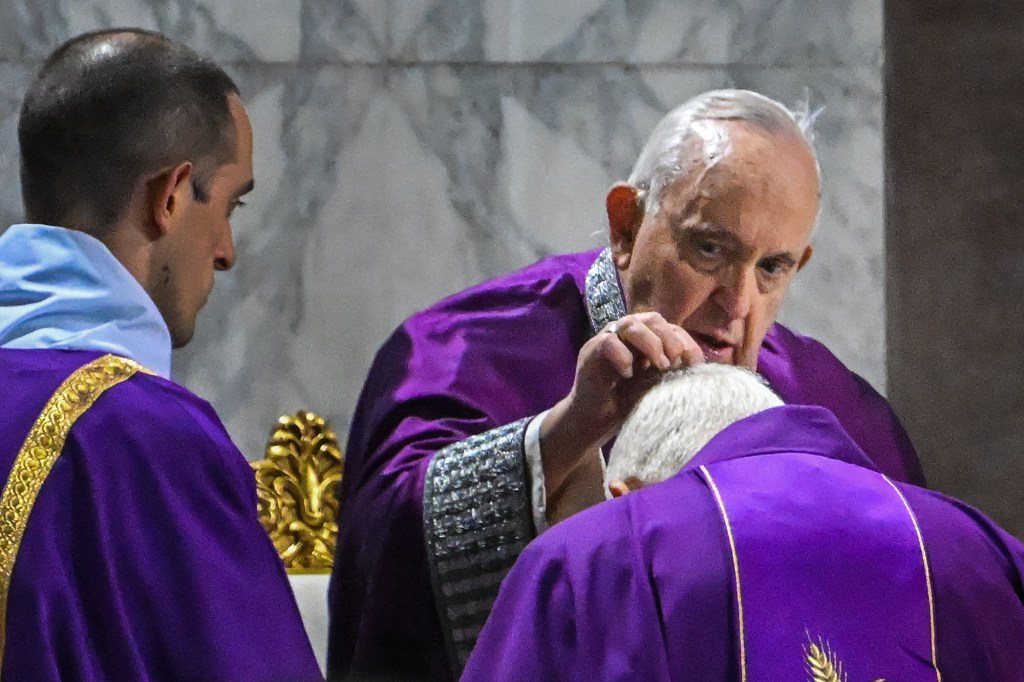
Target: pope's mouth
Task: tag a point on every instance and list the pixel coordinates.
(714, 348)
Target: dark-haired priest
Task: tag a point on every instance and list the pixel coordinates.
(130, 548)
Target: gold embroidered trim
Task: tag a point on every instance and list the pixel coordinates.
(40, 451)
(735, 570)
(927, 578)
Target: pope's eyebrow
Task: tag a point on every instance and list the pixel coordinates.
(709, 231)
(784, 257)
(719, 233)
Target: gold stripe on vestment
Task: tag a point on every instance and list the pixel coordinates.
(40, 451)
(735, 572)
(927, 578)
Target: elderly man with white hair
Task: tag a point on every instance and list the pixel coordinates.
(677, 418)
(483, 417)
(777, 552)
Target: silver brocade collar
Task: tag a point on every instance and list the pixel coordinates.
(605, 303)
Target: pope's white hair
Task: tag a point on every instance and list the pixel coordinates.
(688, 137)
(680, 415)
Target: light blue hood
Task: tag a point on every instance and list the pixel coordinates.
(61, 288)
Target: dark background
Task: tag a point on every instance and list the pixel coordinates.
(954, 117)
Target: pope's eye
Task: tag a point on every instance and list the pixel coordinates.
(709, 248)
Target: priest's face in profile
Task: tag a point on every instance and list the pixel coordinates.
(199, 240)
(718, 252)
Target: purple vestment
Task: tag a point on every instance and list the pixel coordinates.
(435, 502)
(143, 557)
(642, 587)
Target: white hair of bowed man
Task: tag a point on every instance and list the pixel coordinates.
(689, 135)
(680, 415)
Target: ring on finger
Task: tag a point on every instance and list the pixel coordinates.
(613, 328)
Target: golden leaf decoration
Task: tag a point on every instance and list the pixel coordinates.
(297, 492)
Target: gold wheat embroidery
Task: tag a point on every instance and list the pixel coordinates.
(820, 665)
(823, 665)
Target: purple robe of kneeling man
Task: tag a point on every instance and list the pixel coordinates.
(779, 552)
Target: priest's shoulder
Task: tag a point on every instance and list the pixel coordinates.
(964, 539)
(598, 531)
(627, 525)
(154, 418)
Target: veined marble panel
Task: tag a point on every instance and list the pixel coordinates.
(28, 29)
(263, 31)
(531, 152)
(752, 32)
(32, 28)
(344, 30)
(762, 32)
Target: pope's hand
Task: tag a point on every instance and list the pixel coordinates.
(613, 371)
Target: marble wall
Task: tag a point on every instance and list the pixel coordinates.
(408, 149)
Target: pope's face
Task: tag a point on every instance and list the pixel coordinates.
(719, 254)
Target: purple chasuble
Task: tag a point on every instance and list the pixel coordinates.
(643, 587)
(436, 502)
(143, 557)
(834, 576)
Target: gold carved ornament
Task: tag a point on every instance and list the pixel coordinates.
(297, 492)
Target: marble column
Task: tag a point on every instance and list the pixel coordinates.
(955, 244)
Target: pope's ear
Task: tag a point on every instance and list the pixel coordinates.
(808, 252)
(625, 214)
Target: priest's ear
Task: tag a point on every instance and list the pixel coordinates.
(619, 488)
(625, 207)
(166, 194)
